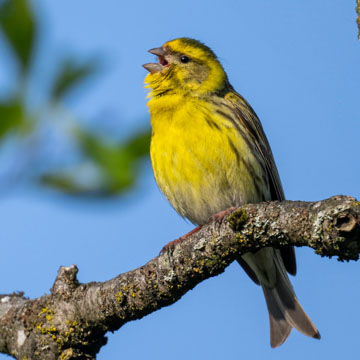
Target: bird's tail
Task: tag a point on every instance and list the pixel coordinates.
(285, 311)
(266, 268)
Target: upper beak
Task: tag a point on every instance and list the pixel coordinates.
(156, 67)
(157, 51)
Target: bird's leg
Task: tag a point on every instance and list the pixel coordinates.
(180, 239)
(219, 217)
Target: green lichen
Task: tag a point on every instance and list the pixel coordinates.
(238, 219)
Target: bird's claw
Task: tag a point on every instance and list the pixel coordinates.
(219, 217)
(179, 240)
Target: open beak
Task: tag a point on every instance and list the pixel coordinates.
(157, 51)
(159, 66)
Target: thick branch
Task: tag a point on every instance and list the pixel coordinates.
(72, 321)
(358, 18)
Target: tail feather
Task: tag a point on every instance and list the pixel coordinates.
(279, 326)
(285, 297)
(285, 311)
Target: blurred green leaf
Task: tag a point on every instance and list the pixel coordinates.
(18, 24)
(11, 116)
(69, 75)
(139, 144)
(115, 161)
(116, 164)
(62, 182)
(106, 167)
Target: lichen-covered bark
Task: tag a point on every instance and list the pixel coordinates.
(71, 322)
(358, 18)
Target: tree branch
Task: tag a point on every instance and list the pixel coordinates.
(71, 322)
(358, 18)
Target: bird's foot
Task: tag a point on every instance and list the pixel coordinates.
(179, 240)
(219, 217)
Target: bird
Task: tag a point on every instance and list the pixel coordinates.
(209, 154)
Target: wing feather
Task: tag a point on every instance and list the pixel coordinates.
(247, 117)
(249, 120)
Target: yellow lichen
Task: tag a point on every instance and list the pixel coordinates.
(119, 296)
(66, 354)
(45, 310)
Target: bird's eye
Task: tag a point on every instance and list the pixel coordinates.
(184, 59)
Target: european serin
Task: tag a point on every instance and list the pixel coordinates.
(209, 153)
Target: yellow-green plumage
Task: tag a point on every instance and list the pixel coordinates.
(191, 165)
(209, 153)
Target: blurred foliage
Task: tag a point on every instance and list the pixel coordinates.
(11, 115)
(69, 74)
(95, 165)
(18, 25)
(116, 163)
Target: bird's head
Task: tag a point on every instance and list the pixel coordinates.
(186, 65)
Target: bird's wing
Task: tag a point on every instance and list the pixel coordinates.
(249, 120)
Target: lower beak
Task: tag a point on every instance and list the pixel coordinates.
(153, 67)
(157, 67)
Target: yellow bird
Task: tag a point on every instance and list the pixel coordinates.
(209, 153)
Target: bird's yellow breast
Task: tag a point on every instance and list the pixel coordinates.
(200, 160)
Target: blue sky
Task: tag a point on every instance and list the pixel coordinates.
(297, 63)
